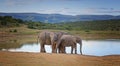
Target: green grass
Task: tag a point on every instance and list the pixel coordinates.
(91, 34)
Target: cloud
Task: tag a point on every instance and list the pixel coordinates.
(42, 10)
(20, 2)
(98, 9)
(54, 10)
(69, 11)
(70, 0)
(114, 11)
(48, 11)
(101, 10)
(66, 8)
(25, 2)
(66, 11)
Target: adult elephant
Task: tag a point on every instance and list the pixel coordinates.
(69, 40)
(49, 38)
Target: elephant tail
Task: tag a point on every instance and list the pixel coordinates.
(37, 39)
(80, 47)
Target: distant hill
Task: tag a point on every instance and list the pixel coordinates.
(56, 18)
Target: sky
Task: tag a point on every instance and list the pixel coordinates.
(67, 7)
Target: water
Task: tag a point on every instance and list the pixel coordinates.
(90, 47)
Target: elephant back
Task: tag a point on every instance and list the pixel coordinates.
(45, 37)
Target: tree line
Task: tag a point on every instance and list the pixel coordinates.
(113, 25)
(9, 21)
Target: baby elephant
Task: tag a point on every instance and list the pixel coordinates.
(65, 41)
(69, 40)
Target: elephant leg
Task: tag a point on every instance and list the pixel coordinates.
(60, 49)
(42, 48)
(64, 50)
(81, 51)
(71, 49)
(75, 49)
(54, 48)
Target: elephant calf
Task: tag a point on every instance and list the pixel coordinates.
(66, 40)
(69, 40)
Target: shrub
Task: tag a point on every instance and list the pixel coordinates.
(87, 31)
(15, 30)
(10, 30)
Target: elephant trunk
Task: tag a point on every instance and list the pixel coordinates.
(58, 45)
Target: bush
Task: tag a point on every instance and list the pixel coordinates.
(15, 30)
(87, 31)
(10, 30)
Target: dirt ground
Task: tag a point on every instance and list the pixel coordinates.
(49, 59)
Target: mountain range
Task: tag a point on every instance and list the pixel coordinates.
(56, 18)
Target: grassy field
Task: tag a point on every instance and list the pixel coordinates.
(24, 35)
(24, 31)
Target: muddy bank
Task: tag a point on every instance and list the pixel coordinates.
(45, 59)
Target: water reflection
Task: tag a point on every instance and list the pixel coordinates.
(27, 48)
(101, 47)
(90, 47)
(9, 45)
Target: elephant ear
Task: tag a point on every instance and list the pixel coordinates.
(55, 38)
(59, 34)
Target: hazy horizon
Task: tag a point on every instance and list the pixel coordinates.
(58, 13)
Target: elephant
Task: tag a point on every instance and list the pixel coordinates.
(49, 38)
(66, 40)
(69, 40)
